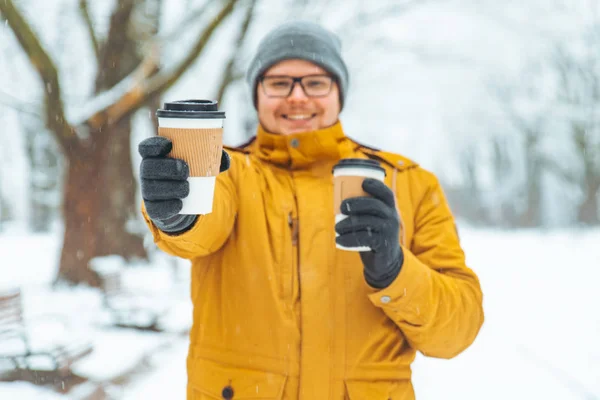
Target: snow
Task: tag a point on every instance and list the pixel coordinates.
(26, 391)
(539, 339)
(100, 102)
(107, 264)
(118, 351)
(55, 316)
(167, 381)
(16, 254)
(428, 96)
(541, 328)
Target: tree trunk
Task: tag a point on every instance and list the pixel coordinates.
(81, 211)
(96, 225)
(588, 210)
(532, 217)
(4, 209)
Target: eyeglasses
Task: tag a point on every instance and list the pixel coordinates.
(282, 86)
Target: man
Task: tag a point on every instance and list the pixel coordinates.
(279, 311)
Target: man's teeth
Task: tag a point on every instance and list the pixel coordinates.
(299, 117)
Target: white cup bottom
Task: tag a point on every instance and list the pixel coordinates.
(341, 217)
(200, 199)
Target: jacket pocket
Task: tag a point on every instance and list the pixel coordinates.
(379, 390)
(210, 380)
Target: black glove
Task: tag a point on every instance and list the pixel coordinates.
(374, 222)
(164, 183)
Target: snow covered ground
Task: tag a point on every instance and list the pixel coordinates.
(540, 338)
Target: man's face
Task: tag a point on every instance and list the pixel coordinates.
(297, 112)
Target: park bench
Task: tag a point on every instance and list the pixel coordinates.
(33, 354)
(142, 311)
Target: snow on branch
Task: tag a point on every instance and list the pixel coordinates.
(137, 89)
(109, 106)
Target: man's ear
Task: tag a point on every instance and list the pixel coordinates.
(255, 94)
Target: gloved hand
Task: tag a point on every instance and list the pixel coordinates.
(164, 183)
(374, 222)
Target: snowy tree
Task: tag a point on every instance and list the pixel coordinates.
(528, 154)
(99, 189)
(555, 113)
(577, 102)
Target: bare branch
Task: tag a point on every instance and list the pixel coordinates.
(144, 90)
(163, 82)
(229, 75)
(85, 13)
(112, 105)
(113, 47)
(54, 109)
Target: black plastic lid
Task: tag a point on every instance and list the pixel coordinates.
(190, 109)
(358, 163)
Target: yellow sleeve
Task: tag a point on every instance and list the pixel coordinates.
(210, 231)
(436, 300)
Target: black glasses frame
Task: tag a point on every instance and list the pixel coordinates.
(296, 79)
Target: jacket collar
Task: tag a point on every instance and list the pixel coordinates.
(301, 150)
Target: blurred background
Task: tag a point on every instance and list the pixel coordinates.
(499, 99)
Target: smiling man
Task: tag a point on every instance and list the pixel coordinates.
(311, 98)
(279, 311)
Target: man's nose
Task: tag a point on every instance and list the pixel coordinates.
(297, 93)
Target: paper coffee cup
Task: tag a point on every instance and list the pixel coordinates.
(196, 129)
(348, 176)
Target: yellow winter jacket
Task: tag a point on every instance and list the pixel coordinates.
(280, 313)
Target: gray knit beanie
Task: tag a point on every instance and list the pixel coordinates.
(300, 40)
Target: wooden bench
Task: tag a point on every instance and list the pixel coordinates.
(129, 309)
(20, 348)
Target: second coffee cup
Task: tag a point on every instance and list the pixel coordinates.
(348, 176)
(196, 129)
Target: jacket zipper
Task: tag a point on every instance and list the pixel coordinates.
(295, 238)
(295, 233)
(295, 227)
(293, 223)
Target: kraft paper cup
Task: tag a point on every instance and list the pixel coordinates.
(348, 176)
(196, 129)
